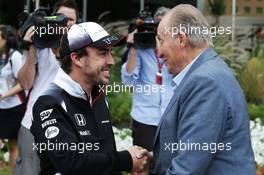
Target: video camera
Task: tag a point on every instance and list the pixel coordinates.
(48, 29)
(146, 27)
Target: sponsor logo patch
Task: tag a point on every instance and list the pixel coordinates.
(105, 121)
(80, 119)
(49, 122)
(45, 114)
(51, 132)
(85, 133)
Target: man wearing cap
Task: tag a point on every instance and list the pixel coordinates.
(73, 111)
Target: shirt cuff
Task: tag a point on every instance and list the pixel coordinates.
(125, 161)
(124, 71)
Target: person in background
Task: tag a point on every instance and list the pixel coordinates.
(37, 72)
(144, 68)
(12, 107)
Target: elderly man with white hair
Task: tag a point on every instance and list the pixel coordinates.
(205, 128)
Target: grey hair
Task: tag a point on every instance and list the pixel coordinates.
(161, 11)
(185, 16)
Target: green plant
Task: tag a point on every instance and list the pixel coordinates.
(256, 111)
(119, 102)
(125, 173)
(4, 170)
(231, 52)
(259, 52)
(252, 80)
(120, 105)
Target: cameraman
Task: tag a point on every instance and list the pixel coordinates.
(144, 68)
(37, 72)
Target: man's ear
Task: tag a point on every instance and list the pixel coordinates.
(76, 60)
(183, 40)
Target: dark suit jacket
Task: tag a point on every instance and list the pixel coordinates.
(205, 128)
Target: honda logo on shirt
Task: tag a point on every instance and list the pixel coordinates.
(80, 119)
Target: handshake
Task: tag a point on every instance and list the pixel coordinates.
(142, 160)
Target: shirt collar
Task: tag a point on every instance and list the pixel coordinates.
(178, 78)
(65, 82)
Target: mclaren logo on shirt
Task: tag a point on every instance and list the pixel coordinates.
(45, 114)
(80, 119)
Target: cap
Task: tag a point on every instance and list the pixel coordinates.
(87, 34)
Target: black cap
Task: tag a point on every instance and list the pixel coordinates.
(87, 34)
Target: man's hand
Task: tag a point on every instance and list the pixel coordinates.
(150, 163)
(141, 159)
(2, 96)
(132, 57)
(130, 37)
(29, 34)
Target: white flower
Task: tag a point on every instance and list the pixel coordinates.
(257, 139)
(123, 138)
(6, 157)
